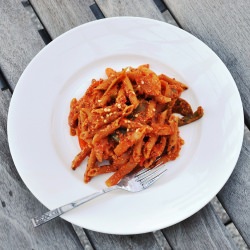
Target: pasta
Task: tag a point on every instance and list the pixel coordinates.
(129, 120)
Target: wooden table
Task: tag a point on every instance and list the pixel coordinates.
(223, 25)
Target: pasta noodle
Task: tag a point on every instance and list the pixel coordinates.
(131, 120)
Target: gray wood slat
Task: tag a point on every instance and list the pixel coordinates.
(112, 8)
(18, 205)
(123, 242)
(235, 195)
(141, 8)
(19, 41)
(225, 27)
(61, 15)
(201, 231)
(82, 237)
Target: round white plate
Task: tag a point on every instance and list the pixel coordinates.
(42, 148)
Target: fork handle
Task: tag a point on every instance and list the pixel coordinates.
(39, 220)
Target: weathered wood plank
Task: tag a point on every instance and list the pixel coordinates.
(204, 230)
(225, 27)
(220, 211)
(62, 15)
(235, 195)
(82, 237)
(240, 244)
(112, 8)
(19, 41)
(123, 242)
(18, 205)
(141, 8)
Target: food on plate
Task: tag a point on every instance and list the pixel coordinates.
(129, 120)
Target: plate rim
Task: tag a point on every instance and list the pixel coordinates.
(123, 232)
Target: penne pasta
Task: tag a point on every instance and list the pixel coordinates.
(129, 121)
(109, 129)
(129, 140)
(129, 91)
(121, 172)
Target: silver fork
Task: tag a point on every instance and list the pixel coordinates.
(133, 182)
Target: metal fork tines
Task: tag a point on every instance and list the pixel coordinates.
(148, 176)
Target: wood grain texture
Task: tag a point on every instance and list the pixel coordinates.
(83, 238)
(112, 8)
(201, 231)
(224, 25)
(235, 195)
(240, 243)
(220, 211)
(141, 8)
(18, 205)
(19, 41)
(59, 16)
(123, 242)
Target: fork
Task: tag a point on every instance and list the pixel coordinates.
(133, 182)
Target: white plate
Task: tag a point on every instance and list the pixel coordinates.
(42, 148)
